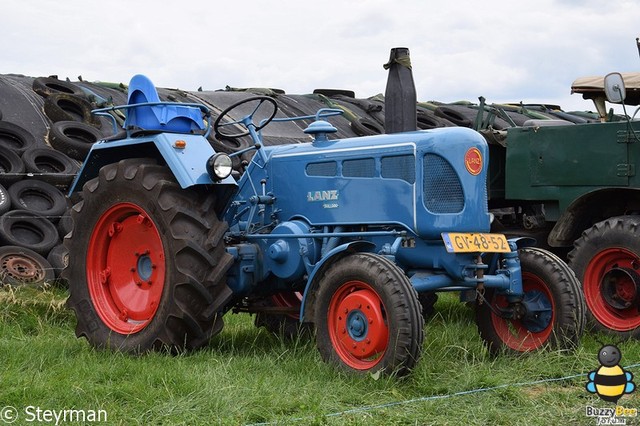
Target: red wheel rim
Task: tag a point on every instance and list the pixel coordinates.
(288, 299)
(514, 333)
(357, 325)
(125, 268)
(601, 279)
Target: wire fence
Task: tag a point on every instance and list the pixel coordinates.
(369, 408)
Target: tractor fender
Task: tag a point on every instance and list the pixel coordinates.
(186, 155)
(333, 255)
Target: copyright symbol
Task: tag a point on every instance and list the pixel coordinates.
(8, 414)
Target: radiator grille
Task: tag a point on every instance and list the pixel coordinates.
(442, 188)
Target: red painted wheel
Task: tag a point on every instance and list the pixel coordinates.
(357, 325)
(367, 316)
(525, 335)
(611, 284)
(125, 268)
(607, 260)
(549, 314)
(148, 263)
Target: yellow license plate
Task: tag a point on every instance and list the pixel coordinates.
(471, 242)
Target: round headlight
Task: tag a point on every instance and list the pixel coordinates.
(219, 166)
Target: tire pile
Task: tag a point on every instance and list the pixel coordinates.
(47, 129)
(44, 136)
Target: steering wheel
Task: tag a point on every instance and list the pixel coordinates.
(224, 129)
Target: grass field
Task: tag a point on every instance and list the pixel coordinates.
(248, 376)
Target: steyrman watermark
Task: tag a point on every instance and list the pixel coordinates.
(9, 414)
(36, 414)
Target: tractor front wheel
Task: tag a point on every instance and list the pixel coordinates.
(368, 317)
(550, 314)
(147, 263)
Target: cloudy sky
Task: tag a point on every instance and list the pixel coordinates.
(503, 50)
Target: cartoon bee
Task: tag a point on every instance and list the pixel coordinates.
(610, 381)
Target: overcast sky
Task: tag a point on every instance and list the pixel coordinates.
(503, 50)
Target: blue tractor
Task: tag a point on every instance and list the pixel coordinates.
(353, 237)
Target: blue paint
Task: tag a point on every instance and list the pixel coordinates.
(299, 208)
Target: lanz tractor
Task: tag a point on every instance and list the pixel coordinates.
(354, 236)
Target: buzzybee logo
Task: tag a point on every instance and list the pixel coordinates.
(610, 381)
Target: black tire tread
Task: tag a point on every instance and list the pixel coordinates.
(43, 190)
(183, 323)
(62, 176)
(21, 138)
(569, 315)
(69, 107)
(595, 239)
(22, 219)
(58, 258)
(73, 138)
(11, 166)
(45, 86)
(402, 299)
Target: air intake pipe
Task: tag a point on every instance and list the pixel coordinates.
(400, 95)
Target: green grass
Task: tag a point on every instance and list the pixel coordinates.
(248, 376)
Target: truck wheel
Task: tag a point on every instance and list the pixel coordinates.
(606, 258)
(368, 316)
(552, 291)
(147, 269)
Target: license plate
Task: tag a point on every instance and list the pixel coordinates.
(471, 242)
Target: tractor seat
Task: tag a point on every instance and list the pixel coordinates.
(164, 118)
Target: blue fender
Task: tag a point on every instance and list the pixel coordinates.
(328, 259)
(185, 154)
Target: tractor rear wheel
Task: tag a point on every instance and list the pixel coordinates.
(553, 306)
(368, 317)
(607, 261)
(147, 263)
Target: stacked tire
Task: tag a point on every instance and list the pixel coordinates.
(35, 174)
(28, 209)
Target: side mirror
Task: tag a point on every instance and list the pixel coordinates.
(614, 88)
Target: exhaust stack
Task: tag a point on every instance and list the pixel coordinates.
(400, 95)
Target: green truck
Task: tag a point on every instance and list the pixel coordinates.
(576, 189)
